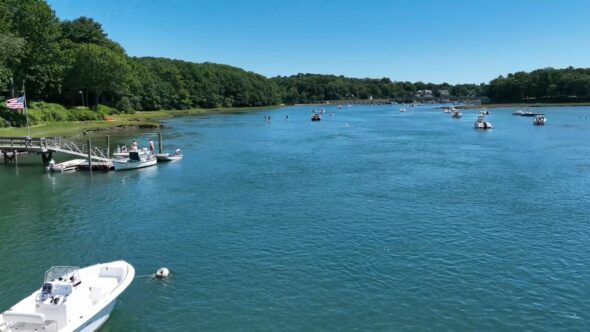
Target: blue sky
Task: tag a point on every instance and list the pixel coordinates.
(455, 41)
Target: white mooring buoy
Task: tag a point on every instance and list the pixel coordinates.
(162, 273)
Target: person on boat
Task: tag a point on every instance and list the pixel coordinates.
(118, 149)
(151, 145)
(124, 148)
(178, 152)
(134, 146)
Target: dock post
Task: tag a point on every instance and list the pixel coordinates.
(46, 157)
(15, 156)
(108, 146)
(89, 156)
(159, 142)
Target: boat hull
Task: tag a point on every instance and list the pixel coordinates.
(99, 319)
(168, 157)
(124, 166)
(482, 125)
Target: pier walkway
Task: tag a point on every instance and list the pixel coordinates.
(49, 145)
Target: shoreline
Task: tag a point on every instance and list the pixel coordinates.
(140, 120)
(529, 105)
(152, 119)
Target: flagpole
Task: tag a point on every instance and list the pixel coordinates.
(26, 113)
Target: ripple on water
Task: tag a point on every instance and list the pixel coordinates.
(369, 220)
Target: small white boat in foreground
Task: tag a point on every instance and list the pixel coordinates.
(135, 161)
(71, 299)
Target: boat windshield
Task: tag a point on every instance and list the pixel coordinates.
(63, 272)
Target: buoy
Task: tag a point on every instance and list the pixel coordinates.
(162, 273)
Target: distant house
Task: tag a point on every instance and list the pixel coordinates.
(444, 93)
(424, 93)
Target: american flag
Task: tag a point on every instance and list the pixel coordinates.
(16, 103)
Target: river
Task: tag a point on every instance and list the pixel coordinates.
(370, 219)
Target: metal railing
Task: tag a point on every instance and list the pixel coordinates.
(52, 144)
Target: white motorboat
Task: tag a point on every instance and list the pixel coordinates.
(540, 120)
(169, 156)
(456, 114)
(71, 299)
(403, 109)
(135, 161)
(66, 166)
(481, 122)
(519, 113)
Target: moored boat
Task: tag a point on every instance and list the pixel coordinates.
(316, 117)
(456, 114)
(66, 166)
(169, 156)
(71, 299)
(481, 122)
(540, 120)
(135, 161)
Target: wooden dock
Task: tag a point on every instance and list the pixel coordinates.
(12, 146)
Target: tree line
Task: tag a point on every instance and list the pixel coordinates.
(310, 88)
(542, 85)
(71, 62)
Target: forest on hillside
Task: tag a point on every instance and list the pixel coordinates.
(69, 62)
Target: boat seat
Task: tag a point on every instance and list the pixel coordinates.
(111, 272)
(24, 317)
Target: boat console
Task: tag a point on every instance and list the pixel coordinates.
(59, 283)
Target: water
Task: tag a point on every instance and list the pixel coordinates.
(371, 219)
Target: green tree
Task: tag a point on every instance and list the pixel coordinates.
(97, 69)
(40, 67)
(84, 30)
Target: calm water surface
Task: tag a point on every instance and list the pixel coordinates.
(371, 219)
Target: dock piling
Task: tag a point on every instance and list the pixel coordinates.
(159, 142)
(89, 155)
(108, 146)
